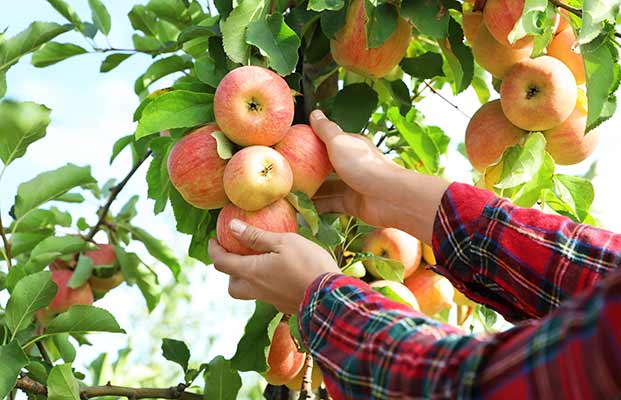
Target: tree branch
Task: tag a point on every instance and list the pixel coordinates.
(445, 99)
(113, 194)
(7, 245)
(560, 4)
(44, 353)
(306, 391)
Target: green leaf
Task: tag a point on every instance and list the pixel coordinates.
(430, 17)
(159, 184)
(187, 216)
(355, 269)
(528, 161)
(28, 40)
(177, 352)
(294, 329)
(113, 61)
(596, 14)
(382, 23)
(224, 7)
(31, 294)
(82, 273)
(54, 52)
(459, 57)
(84, 319)
(26, 241)
(276, 41)
(329, 234)
(37, 371)
(333, 21)
(158, 249)
(136, 273)
(529, 193)
(119, 145)
(208, 71)
(224, 146)
(13, 360)
(603, 74)
(173, 11)
(50, 248)
(101, 17)
(61, 384)
(64, 347)
(353, 106)
(200, 238)
(2, 84)
(21, 124)
(253, 347)
(425, 66)
(234, 28)
(70, 198)
(66, 11)
(48, 186)
(175, 109)
(221, 381)
(160, 69)
(304, 205)
(322, 5)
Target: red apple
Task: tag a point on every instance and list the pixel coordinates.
(256, 177)
(66, 296)
(489, 134)
(471, 21)
(493, 56)
(253, 106)
(396, 245)
(196, 170)
(538, 94)
(500, 18)
(350, 49)
(562, 47)
(105, 254)
(433, 292)
(277, 217)
(308, 157)
(284, 359)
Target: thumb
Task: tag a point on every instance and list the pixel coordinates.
(323, 127)
(255, 238)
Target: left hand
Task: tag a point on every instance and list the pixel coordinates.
(280, 275)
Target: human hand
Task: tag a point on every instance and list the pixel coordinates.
(280, 275)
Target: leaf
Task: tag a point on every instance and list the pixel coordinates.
(160, 69)
(64, 347)
(276, 41)
(2, 84)
(136, 273)
(322, 5)
(304, 205)
(459, 57)
(84, 319)
(208, 71)
(173, 11)
(355, 269)
(21, 124)
(26, 241)
(82, 272)
(28, 40)
(430, 17)
(603, 74)
(528, 162)
(50, 248)
(253, 347)
(221, 381)
(387, 268)
(54, 52)
(101, 17)
(234, 28)
(224, 7)
(382, 23)
(596, 14)
(119, 145)
(175, 109)
(224, 146)
(66, 11)
(425, 66)
(353, 106)
(177, 352)
(333, 21)
(113, 61)
(61, 384)
(157, 175)
(200, 237)
(70, 198)
(31, 294)
(158, 249)
(187, 216)
(329, 235)
(13, 360)
(48, 186)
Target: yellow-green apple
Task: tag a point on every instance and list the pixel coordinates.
(104, 280)
(500, 18)
(461, 300)
(66, 296)
(350, 49)
(569, 143)
(538, 94)
(253, 106)
(277, 217)
(428, 255)
(400, 290)
(562, 47)
(196, 170)
(257, 176)
(493, 56)
(308, 157)
(284, 359)
(433, 292)
(316, 379)
(489, 134)
(396, 245)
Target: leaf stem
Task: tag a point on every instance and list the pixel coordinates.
(7, 246)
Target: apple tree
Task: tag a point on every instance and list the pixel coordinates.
(370, 66)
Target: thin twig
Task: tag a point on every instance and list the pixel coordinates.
(44, 354)
(114, 192)
(560, 4)
(7, 245)
(306, 391)
(445, 99)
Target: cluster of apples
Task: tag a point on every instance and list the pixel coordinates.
(543, 94)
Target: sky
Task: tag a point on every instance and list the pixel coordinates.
(92, 110)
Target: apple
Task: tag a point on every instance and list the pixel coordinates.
(461, 300)
(538, 94)
(277, 217)
(569, 143)
(433, 292)
(253, 106)
(284, 359)
(489, 134)
(428, 255)
(493, 56)
(308, 157)
(471, 21)
(66, 296)
(562, 48)
(400, 290)
(64, 262)
(316, 379)
(196, 170)
(500, 17)
(562, 21)
(396, 245)
(105, 254)
(350, 49)
(257, 176)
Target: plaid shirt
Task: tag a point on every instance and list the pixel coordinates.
(555, 279)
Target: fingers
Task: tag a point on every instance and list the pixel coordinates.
(255, 238)
(329, 197)
(241, 289)
(229, 263)
(323, 127)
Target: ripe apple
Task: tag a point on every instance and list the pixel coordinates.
(471, 21)
(316, 379)
(433, 292)
(196, 170)
(257, 176)
(500, 18)
(493, 56)
(105, 254)
(489, 134)
(350, 49)
(253, 106)
(396, 245)
(562, 47)
(569, 143)
(562, 21)
(284, 359)
(538, 94)
(66, 296)
(428, 255)
(308, 157)
(400, 290)
(277, 217)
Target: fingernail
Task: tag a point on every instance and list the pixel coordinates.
(237, 226)
(317, 115)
